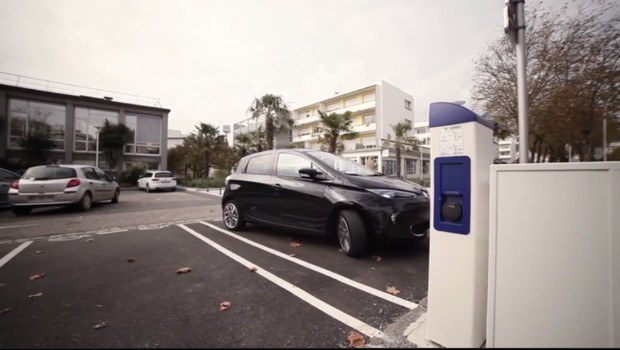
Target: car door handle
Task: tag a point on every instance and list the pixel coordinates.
(277, 186)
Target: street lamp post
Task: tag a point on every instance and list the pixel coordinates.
(97, 146)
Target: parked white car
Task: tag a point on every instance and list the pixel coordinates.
(157, 180)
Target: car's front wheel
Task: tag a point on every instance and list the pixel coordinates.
(351, 233)
(232, 217)
(19, 211)
(148, 189)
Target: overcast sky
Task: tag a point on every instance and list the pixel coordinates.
(207, 60)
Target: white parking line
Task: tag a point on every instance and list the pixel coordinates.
(5, 259)
(378, 293)
(298, 292)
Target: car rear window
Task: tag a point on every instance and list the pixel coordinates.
(50, 173)
(164, 175)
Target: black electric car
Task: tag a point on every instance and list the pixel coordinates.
(316, 191)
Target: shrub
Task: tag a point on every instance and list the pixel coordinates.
(133, 174)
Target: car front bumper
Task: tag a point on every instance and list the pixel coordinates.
(410, 220)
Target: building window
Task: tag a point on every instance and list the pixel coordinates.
(369, 97)
(388, 167)
(408, 104)
(32, 116)
(87, 120)
(334, 106)
(425, 167)
(369, 119)
(351, 102)
(146, 134)
(410, 166)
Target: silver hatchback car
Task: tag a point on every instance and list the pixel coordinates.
(51, 185)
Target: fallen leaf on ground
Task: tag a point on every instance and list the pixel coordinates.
(89, 240)
(98, 305)
(184, 270)
(101, 325)
(376, 258)
(131, 259)
(37, 276)
(38, 252)
(356, 339)
(253, 269)
(224, 305)
(4, 311)
(295, 244)
(32, 296)
(292, 254)
(392, 290)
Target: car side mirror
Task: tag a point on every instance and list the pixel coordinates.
(308, 173)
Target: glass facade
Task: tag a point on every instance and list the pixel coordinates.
(146, 134)
(87, 120)
(32, 116)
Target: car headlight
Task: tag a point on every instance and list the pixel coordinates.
(392, 193)
(426, 194)
(226, 180)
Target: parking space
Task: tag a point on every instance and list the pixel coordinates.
(312, 299)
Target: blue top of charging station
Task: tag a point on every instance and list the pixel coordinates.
(446, 113)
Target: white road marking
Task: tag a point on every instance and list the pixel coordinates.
(113, 231)
(378, 293)
(300, 293)
(5, 259)
(16, 226)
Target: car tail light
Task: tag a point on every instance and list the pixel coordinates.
(73, 183)
(155, 179)
(15, 185)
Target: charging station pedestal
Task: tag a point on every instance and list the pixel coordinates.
(462, 151)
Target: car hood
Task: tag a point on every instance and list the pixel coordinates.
(384, 182)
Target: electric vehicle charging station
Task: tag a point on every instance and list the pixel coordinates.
(462, 150)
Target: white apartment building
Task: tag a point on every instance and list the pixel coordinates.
(282, 139)
(422, 133)
(374, 108)
(508, 150)
(175, 138)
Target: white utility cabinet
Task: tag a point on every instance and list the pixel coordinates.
(554, 255)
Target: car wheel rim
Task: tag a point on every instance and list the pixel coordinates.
(116, 195)
(343, 235)
(86, 201)
(231, 215)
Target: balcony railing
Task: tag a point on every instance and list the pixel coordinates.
(307, 120)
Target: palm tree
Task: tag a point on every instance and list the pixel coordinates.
(209, 141)
(336, 127)
(251, 141)
(277, 115)
(401, 133)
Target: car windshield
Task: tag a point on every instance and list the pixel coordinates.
(49, 173)
(342, 164)
(163, 175)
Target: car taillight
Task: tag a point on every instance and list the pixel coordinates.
(73, 183)
(15, 185)
(155, 179)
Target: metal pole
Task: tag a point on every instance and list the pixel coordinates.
(522, 84)
(605, 131)
(97, 150)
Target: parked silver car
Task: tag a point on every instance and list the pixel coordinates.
(51, 185)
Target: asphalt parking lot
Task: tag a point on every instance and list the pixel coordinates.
(284, 290)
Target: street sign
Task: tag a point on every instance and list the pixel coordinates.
(510, 21)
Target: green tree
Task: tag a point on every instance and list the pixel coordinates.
(226, 158)
(112, 141)
(251, 141)
(176, 159)
(276, 114)
(37, 147)
(401, 138)
(336, 127)
(572, 72)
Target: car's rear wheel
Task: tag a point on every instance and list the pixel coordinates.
(351, 233)
(117, 193)
(21, 210)
(86, 202)
(232, 217)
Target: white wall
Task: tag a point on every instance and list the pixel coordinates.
(391, 108)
